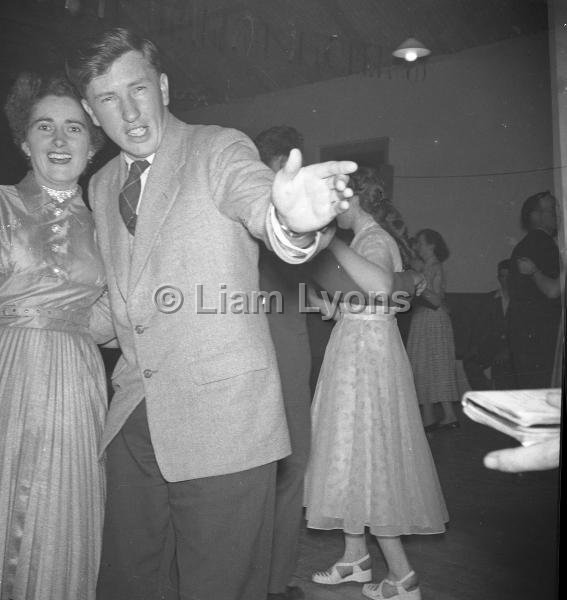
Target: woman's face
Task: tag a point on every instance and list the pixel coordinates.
(57, 141)
(423, 248)
(345, 219)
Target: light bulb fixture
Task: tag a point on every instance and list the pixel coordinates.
(411, 50)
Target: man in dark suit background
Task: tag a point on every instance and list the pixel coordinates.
(488, 364)
(288, 328)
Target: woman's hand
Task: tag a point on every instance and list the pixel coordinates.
(326, 309)
(526, 266)
(419, 282)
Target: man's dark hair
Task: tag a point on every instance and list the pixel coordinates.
(278, 141)
(96, 54)
(530, 205)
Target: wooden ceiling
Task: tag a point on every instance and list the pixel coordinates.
(219, 50)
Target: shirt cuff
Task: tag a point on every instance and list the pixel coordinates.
(282, 243)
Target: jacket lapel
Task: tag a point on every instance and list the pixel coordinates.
(160, 193)
(118, 236)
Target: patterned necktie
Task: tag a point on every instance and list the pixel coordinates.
(130, 194)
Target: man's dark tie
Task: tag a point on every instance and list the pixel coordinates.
(130, 194)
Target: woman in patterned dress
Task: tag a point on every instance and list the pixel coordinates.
(431, 347)
(370, 462)
(52, 383)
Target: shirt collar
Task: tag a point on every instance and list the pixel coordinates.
(130, 160)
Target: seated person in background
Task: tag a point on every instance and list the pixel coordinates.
(288, 328)
(488, 363)
(535, 307)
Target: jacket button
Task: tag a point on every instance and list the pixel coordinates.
(148, 373)
(139, 329)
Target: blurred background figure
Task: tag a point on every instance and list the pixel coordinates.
(291, 341)
(431, 346)
(488, 364)
(535, 305)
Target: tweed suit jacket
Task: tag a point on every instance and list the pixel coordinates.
(208, 372)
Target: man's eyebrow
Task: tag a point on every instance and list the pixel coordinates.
(76, 122)
(129, 84)
(103, 94)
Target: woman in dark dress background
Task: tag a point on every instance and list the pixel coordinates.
(535, 308)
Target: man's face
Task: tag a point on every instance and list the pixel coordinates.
(503, 277)
(547, 213)
(129, 102)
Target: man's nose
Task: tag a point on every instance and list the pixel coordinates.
(130, 111)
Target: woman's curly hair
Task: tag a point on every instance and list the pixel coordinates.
(367, 184)
(28, 89)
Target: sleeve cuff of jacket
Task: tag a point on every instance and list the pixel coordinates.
(283, 245)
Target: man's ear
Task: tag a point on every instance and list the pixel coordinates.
(164, 87)
(90, 112)
(26, 149)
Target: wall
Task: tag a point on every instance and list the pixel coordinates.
(469, 141)
(558, 38)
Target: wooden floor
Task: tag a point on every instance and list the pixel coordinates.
(501, 542)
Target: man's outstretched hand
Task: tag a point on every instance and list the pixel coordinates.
(309, 198)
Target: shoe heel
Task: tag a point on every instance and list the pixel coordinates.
(362, 576)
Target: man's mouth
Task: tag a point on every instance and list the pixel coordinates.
(137, 132)
(59, 158)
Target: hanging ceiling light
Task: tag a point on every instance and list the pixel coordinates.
(411, 50)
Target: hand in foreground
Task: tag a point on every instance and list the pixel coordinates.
(308, 198)
(526, 266)
(538, 457)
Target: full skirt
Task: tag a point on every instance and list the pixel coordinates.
(431, 350)
(52, 409)
(370, 463)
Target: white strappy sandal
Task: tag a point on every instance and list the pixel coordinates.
(333, 577)
(375, 590)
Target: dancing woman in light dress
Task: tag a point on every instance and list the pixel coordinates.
(370, 464)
